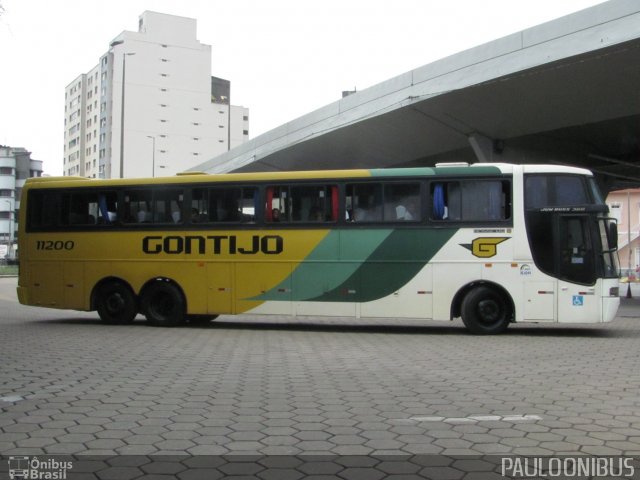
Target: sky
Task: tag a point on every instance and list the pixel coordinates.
(284, 58)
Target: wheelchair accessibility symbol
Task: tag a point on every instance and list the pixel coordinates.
(578, 300)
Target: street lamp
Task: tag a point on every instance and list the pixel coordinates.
(124, 66)
(153, 156)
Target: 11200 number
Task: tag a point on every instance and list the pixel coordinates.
(54, 245)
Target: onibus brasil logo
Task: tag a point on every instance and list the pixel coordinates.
(37, 469)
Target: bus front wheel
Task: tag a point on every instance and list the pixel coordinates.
(116, 303)
(485, 311)
(163, 304)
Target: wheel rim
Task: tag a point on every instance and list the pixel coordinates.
(161, 306)
(115, 303)
(489, 311)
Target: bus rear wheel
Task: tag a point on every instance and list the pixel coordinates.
(485, 311)
(116, 303)
(163, 304)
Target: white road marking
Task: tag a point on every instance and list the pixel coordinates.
(480, 418)
(11, 399)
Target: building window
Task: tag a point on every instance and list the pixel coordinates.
(245, 132)
(615, 211)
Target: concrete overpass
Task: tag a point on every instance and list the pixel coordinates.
(566, 92)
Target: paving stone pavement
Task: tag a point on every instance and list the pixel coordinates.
(243, 385)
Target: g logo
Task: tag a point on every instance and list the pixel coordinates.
(484, 247)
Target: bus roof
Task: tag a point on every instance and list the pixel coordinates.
(453, 169)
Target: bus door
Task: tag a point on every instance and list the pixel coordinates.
(578, 298)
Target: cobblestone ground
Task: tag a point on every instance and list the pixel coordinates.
(71, 385)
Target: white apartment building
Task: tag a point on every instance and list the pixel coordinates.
(16, 165)
(175, 115)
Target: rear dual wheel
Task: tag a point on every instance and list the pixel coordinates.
(163, 304)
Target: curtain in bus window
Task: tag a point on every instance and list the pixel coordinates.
(107, 208)
(482, 200)
(438, 201)
(454, 198)
(102, 205)
(334, 203)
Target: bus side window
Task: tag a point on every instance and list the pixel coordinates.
(232, 204)
(85, 209)
(138, 206)
(278, 205)
(167, 206)
(301, 203)
(471, 200)
(44, 209)
(199, 205)
(363, 202)
(107, 208)
(402, 202)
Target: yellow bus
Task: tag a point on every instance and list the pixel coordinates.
(491, 243)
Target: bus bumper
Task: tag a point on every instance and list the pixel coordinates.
(22, 295)
(610, 300)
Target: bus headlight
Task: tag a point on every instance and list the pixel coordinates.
(614, 292)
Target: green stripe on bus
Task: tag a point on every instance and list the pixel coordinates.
(361, 265)
(391, 266)
(336, 258)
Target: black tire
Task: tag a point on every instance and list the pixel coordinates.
(116, 303)
(200, 319)
(163, 304)
(485, 311)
